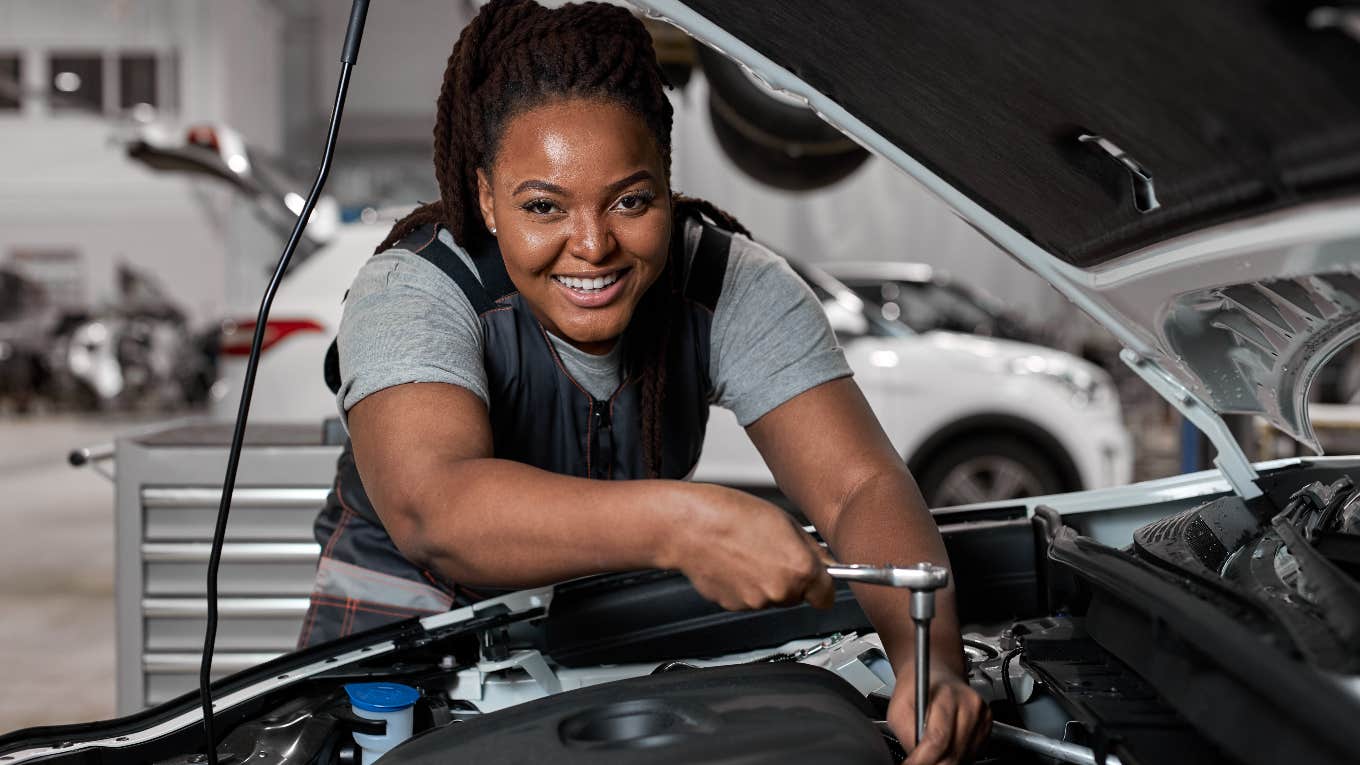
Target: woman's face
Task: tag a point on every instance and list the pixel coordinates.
(578, 199)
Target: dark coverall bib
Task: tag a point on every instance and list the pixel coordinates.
(539, 415)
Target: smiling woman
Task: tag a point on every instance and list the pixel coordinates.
(526, 367)
(585, 242)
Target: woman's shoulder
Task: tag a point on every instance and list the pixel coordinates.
(734, 261)
(770, 339)
(405, 321)
(402, 272)
(744, 264)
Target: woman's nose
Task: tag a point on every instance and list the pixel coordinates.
(592, 240)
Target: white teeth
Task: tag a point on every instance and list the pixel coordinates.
(588, 285)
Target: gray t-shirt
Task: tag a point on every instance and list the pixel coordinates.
(405, 321)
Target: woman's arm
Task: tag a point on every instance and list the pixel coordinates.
(830, 456)
(424, 453)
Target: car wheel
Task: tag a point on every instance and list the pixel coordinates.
(987, 469)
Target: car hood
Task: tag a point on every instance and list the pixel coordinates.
(1185, 172)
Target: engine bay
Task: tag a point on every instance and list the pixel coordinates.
(1225, 633)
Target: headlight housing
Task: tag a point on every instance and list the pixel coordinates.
(1087, 385)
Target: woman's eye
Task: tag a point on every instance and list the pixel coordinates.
(540, 207)
(634, 202)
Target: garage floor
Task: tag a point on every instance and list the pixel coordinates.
(56, 574)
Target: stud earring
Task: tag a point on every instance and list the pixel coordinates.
(493, 230)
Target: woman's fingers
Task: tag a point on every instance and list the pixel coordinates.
(821, 591)
(972, 722)
(982, 729)
(936, 744)
(957, 724)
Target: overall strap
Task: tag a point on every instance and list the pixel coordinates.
(424, 242)
(486, 255)
(482, 294)
(709, 266)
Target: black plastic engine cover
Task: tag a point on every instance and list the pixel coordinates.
(641, 616)
(751, 714)
(658, 615)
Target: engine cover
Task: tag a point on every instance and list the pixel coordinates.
(749, 714)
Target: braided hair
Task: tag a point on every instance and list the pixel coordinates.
(516, 55)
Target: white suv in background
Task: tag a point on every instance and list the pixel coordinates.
(976, 418)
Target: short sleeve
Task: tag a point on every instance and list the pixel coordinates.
(405, 321)
(770, 339)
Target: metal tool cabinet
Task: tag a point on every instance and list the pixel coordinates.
(168, 485)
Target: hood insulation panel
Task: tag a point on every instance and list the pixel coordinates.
(1234, 108)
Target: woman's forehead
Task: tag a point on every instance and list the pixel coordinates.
(576, 142)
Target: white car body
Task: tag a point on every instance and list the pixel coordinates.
(920, 386)
(289, 386)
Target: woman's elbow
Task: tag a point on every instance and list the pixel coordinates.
(411, 531)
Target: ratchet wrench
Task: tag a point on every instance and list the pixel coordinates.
(923, 580)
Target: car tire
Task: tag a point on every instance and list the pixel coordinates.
(987, 468)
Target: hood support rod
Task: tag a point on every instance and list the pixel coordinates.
(1230, 460)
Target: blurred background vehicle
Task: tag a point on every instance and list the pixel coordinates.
(926, 299)
(28, 322)
(307, 309)
(977, 419)
(135, 353)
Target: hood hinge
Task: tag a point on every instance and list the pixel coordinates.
(1231, 461)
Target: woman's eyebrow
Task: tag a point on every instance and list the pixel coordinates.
(538, 185)
(620, 185)
(552, 188)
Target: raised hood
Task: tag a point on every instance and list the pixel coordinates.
(1186, 172)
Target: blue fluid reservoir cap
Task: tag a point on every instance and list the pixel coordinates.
(382, 697)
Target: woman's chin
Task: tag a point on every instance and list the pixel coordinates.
(596, 338)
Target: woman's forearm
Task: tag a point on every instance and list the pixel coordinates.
(423, 453)
(884, 519)
(502, 523)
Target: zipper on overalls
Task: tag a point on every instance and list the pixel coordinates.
(602, 440)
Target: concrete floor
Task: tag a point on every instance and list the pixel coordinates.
(56, 573)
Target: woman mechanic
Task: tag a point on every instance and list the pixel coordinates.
(526, 367)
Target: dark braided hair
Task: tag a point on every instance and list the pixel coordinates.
(517, 55)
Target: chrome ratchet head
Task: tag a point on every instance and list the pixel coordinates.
(923, 577)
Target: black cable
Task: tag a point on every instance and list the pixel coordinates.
(1006, 679)
(349, 56)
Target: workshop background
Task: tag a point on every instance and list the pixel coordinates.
(149, 150)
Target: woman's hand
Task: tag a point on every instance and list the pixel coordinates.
(957, 720)
(744, 553)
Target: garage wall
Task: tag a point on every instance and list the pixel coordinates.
(65, 184)
(402, 60)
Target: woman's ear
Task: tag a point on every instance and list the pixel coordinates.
(486, 201)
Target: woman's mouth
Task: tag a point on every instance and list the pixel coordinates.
(592, 292)
(588, 285)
